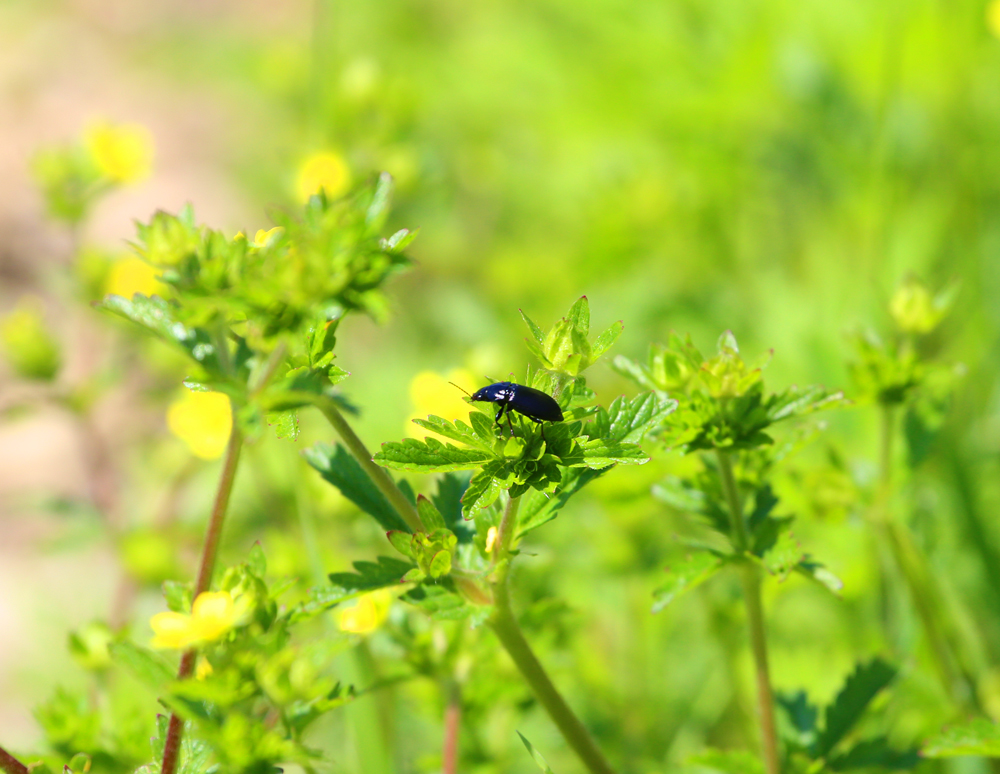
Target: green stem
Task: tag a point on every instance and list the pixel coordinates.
(750, 579)
(10, 764)
(379, 477)
(945, 648)
(506, 530)
(172, 744)
(505, 625)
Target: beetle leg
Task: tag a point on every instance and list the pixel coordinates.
(499, 415)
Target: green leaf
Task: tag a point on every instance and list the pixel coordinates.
(859, 689)
(629, 421)
(536, 756)
(400, 240)
(486, 486)
(728, 761)
(875, 753)
(430, 517)
(536, 333)
(285, 424)
(157, 316)
(978, 737)
(457, 431)
(378, 209)
(784, 556)
(538, 507)
(448, 500)
(801, 714)
(579, 315)
(338, 467)
(256, 561)
(685, 575)
(820, 574)
(442, 603)
(440, 564)
(151, 668)
(797, 401)
(178, 596)
(369, 576)
(606, 340)
(599, 453)
(429, 456)
(385, 573)
(401, 541)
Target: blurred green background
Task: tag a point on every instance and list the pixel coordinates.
(774, 168)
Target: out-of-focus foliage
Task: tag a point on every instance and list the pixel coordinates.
(781, 170)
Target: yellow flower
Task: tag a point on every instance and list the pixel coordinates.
(213, 614)
(132, 275)
(123, 153)
(993, 17)
(491, 538)
(203, 420)
(431, 393)
(262, 237)
(202, 669)
(327, 171)
(367, 614)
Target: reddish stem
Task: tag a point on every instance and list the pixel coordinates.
(172, 744)
(10, 764)
(452, 724)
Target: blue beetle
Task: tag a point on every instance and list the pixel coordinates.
(534, 404)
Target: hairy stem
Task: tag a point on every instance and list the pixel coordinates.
(505, 625)
(172, 744)
(10, 764)
(378, 475)
(452, 724)
(506, 530)
(750, 579)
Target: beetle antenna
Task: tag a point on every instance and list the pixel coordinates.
(457, 387)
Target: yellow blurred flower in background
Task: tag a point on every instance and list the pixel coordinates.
(326, 170)
(367, 614)
(262, 237)
(122, 153)
(203, 420)
(213, 614)
(993, 17)
(431, 393)
(132, 275)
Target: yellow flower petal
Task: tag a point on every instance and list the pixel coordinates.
(433, 393)
(203, 669)
(212, 615)
(491, 538)
(123, 153)
(367, 614)
(203, 420)
(327, 171)
(262, 237)
(171, 630)
(132, 275)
